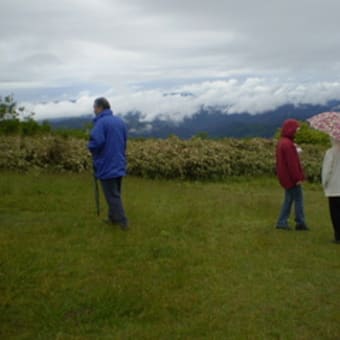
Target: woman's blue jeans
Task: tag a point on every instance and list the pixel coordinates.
(293, 195)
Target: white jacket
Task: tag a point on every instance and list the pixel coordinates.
(331, 172)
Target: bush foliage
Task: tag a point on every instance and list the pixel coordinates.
(173, 158)
(307, 135)
(45, 152)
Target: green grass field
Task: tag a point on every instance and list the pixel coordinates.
(201, 261)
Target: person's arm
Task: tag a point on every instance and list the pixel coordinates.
(327, 169)
(97, 138)
(294, 165)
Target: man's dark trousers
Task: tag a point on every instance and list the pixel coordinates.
(112, 190)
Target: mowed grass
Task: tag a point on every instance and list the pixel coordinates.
(201, 261)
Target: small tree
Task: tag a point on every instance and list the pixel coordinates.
(11, 124)
(308, 135)
(8, 108)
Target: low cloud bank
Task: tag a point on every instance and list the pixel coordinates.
(253, 95)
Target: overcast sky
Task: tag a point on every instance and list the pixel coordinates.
(247, 54)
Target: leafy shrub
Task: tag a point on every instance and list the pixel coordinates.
(10, 127)
(307, 135)
(28, 127)
(198, 159)
(194, 159)
(46, 152)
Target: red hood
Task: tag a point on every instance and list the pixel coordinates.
(290, 128)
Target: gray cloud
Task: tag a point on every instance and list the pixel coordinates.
(121, 45)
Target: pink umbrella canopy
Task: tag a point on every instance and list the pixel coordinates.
(328, 122)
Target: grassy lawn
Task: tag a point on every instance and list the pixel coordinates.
(202, 261)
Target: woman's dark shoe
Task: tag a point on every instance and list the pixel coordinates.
(301, 227)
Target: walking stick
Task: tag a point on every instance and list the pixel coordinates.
(96, 193)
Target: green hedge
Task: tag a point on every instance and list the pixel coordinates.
(44, 152)
(173, 158)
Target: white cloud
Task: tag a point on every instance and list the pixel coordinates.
(253, 95)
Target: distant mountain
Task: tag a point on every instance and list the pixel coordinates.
(211, 121)
(80, 122)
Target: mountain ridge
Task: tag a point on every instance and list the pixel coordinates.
(212, 121)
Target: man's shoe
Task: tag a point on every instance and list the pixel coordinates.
(283, 228)
(115, 224)
(301, 227)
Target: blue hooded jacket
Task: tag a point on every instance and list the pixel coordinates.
(108, 145)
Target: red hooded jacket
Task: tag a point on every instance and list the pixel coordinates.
(288, 166)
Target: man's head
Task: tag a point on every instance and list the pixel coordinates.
(101, 104)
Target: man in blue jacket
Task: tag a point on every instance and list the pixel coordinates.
(108, 145)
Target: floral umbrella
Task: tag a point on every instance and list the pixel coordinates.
(328, 122)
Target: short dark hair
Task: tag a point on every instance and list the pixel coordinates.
(103, 103)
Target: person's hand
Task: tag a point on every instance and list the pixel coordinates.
(299, 183)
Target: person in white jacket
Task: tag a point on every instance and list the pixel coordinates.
(331, 184)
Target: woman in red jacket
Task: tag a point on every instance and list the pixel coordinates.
(290, 174)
